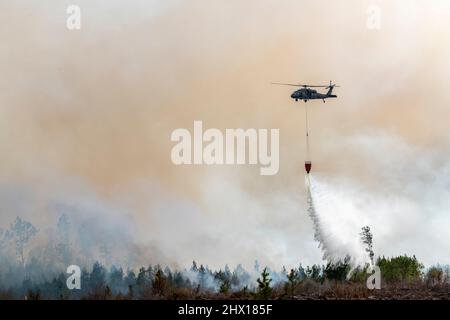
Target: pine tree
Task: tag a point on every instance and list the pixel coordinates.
(22, 232)
(225, 286)
(202, 276)
(292, 282)
(159, 283)
(367, 239)
(63, 246)
(264, 289)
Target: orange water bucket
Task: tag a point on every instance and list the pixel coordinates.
(308, 166)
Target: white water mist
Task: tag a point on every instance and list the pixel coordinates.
(336, 223)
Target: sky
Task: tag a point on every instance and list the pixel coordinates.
(86, 117)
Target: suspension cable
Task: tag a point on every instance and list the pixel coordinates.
(307, 132)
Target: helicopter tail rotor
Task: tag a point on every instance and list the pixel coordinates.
(331, 86)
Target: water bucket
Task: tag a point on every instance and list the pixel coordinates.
(308, 166)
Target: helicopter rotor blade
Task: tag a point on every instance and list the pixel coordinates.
(287, 84)
(305, 85)
(299, 85)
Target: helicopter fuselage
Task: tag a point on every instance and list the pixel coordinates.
(306, 94)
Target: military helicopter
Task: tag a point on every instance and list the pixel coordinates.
(306, 93)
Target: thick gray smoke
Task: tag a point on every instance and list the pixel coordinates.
(70, 227)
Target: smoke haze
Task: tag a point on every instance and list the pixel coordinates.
(86, 118)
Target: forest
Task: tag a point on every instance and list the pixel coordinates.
(35, 277)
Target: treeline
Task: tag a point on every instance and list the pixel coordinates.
(38, 272)
(199, 282)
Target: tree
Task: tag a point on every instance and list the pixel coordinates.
(301, 272)
(108, 295)
(224, 278)
(239, 276)
(292, 282)
(168, 273)
(97, 278)
(178, 280)
(360, 274)
(3, 237)
(225, 286)
(400, 269)
(256, 267)
(151, 272)
(63, 246)
(22, 232)
(143, 282)
(63, 226)
(435, 276)
(447, 274)
(142, 279)
(159, 283)
(367, 239)
(116, 279)
(337, 271)
(130, 279)
(31, 295)
(313, 272)
(264, 289)
(202, 276)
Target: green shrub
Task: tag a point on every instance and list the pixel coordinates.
(400, 269)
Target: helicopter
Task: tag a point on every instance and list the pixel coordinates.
(306, 93)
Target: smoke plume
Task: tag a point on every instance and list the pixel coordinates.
(86, 118)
